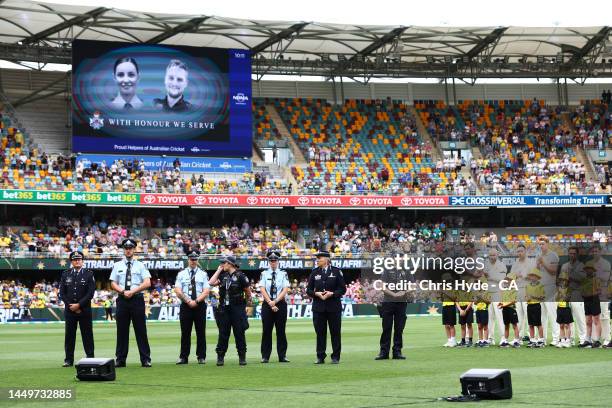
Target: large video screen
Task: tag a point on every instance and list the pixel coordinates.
(159, 99)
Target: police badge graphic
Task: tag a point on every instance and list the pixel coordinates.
(97, 122)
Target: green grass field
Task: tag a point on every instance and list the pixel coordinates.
(31, 355)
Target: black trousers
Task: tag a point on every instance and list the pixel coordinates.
(84, 320)
(189, 318)
(393, 319)
(269, 320)
(232, 317)
(131, 310)
(321, 320)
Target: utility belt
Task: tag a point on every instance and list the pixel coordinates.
(236, 303)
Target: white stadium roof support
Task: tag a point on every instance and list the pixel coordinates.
(43, 32)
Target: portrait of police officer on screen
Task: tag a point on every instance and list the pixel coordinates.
(126, 75)
(176, 81)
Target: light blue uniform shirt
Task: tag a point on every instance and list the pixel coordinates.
(281, 280)
(183, 281)
(139, 273)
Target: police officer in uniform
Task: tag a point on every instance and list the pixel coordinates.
(393, 313)
(192, 288)
(234, 295)
(129, 279)
(326, 287)
(274, 285)
(77, 286)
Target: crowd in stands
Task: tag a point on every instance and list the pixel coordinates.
(45, 294)
(604, 174)
(156, 237)
(167, 236)
(28, 167)
(366, 147)
(593, 124)
(532, 173)
(351, 238)
(532, 152)
(341, 238)
(526, 147)
(131, 176)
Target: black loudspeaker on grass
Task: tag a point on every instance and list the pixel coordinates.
(95, 369)
(486, 383)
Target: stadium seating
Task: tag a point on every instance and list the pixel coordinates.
(526, 146)
(365, 147)
(360, 147)
(592, 124)
(264, 128)
(156, 237)
(441, 121)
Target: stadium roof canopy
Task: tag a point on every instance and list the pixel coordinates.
(42, 32)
